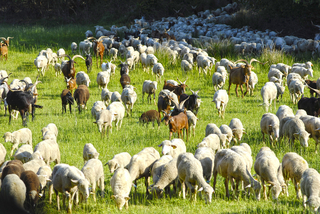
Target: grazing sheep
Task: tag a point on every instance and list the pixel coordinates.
(93, 172)
(293, 167)
(120, 160)
(48, 150)
(50, 127)
(237, 129)
(226, 130)
(128, 97)
(158, 70)
(103, 79)
(253, 80)
(231, 165)
(212, 128)
(158, 167)
(121, 183)
(150, 88)
(23, 135)
(150, 116)
(300, 113)
(69, 180)
(192, 121)
(294, 128)
(203, 63)
(284, 111)
(151, 60)
(97, 107)
(41, 62)
(31, 180)
(174, 147)
(245, 151)
(312, 125)
(267, 166)
(310, 182)
(82, 78)
(206, 157)
(218, 81)
(12, 167)
(211, 141)
(44, 175)
(119, 111)
(221, 99)
(185, 66)
(3, 153)
(296, 89)
(190, 173)
(113, 53)
(269, 125)
(89, 152)
(34, 165)
(303, 72)
(57, 69)
(13, 194)
(140, 165)
(268, 93)
(104, 121)
(24, 153)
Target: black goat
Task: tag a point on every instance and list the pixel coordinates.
(88, 62)
(191, 101)
(23, 102)
(66, 98)
(124, 68)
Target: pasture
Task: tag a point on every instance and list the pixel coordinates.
(75, 130)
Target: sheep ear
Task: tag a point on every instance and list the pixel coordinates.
(271, 183)
(174, 146)
(160, 145)
(199, 190)
(127, 198)
(49, 180)
(74, 181)
(95, 122)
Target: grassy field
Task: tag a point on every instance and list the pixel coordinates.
(75, 130)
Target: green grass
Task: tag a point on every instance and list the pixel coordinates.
(75, 130)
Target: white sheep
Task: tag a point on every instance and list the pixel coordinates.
(268, 93)
(50, 127)
(269, 125)
(158, 70)
(221, 99)
(44, 174)
(3, 153)
(150, 88)
(143, 61)
(47, 150)
(188, 57)
(117, 108)
(296, 89)
(174, 147)
(116, 97)
(294, 128)
(104, 121)
(34, 165)
(57, 68)
(294, 76)
(190, 173)
(113, 53)
(218, 81)
(211, 141)
(89, 152)
(284, 111)
(49, 135)
(303, 72)
(93, 172)
(60, 53)
(192, 121)
(300, 113)
(206, 157)
(226, 130)
(293, 167)
(24, 153)
(120, 160)
(158, 167)
(245, 151)
(312, 125)
(103, 79)
(96, 108)
(151, 60)
(225, 62)
(212, 128)
(203, 63)
(273, 72)
(280, 90)
(106, 96)
(69, 180)
(237, 129)
(130, 62)
(23, 135)
(41, 62)
(82, 78)
(310, 183)
(253, 80)
(121, 186)
(185, 66)
(140, 165)
(128, 97)
(74, 47)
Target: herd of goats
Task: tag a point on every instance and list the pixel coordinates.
(25, 179)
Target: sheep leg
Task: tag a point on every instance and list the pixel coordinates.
(226, 182)
(94, 191)
(146, 182)
(297, 188)
(58, 199)
(264, 189)
(102, 186)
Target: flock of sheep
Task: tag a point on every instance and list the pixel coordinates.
(26, 178)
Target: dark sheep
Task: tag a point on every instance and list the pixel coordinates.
(125, 80)
(12, 167)
(310, 105)
(312, 84)
(81, 95)
(150, 116)
(31, 180)
(66, 98)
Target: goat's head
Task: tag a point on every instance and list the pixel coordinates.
(6, 41)
(167, 118)
(183, 85)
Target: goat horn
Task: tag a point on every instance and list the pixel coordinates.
(174, 102)
(318, 26)
(101, 37)
(317, 91)
(242, 60)
(66, 55)
(91, 38)
(179, 81)
(255, 60)
(165, 113)
(185, 81)
(182, 103)
(4, 39)
(37, 78)
(78, 56)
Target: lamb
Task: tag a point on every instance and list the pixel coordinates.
(253, 80)
(312, 125)
(103, 79)
(68, 180)
(268, 93)
(294, 128)
(206, 157)
(190, 173)
(168, 176)
(57, 69)
(74, 47)
(218, 81)
(24, 153)
(211, 141)
(31, 180)
(3, 153)
(293, 167)
(296, 89)
(226, 130)
(151, 60)
(158, 70)
(93, 172)
(34, 165)
(120, 160)
(119, 111)
(104, 121)
(97, 107)
(81, 95)
(150, 88)
(237, 129)
(50, 127)
(48, 150)
(23, 135)
(212, 128)
(13, 194)
(221, 99)
(150, 116)
(121, 187)
(192, 121)
(158, 167)
(185, 66)
(232, 165)
(44, 175)
(269, 125)
(310, 182)
(89, 152)
(82, 78)
(128, 97)
(175, 147)
(41, 62)
(284, 111)
(140, 165)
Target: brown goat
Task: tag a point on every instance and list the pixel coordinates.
(150, 116)
(4, 47)
(31, 180)
(177, 123)
(71, 84)
(67, 68)
(66, 98)
(98, 48)
(81, 95)
(178, 90)
(164, 103)
(240, 75)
